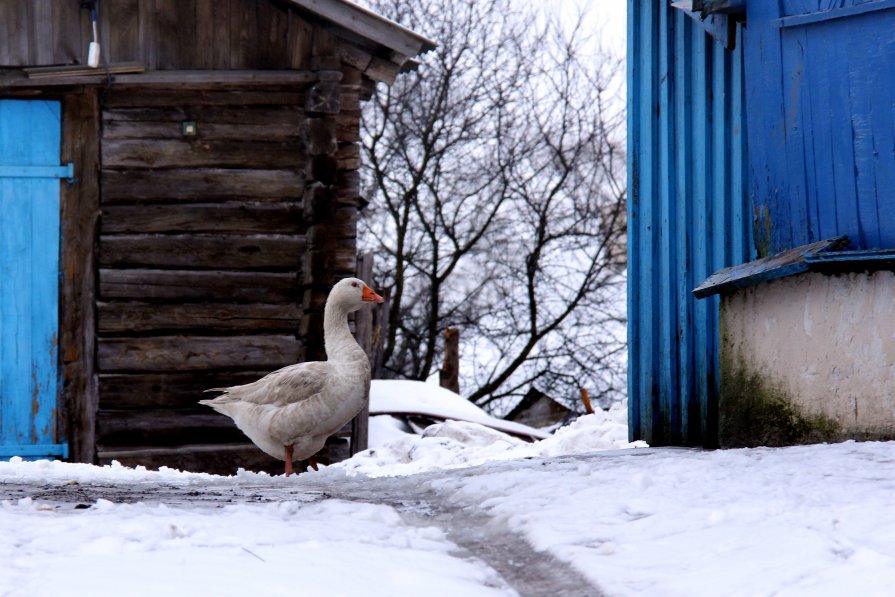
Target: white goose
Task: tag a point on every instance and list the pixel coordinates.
(289, 413)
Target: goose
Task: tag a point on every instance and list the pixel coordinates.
(289, 413)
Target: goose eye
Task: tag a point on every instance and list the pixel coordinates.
(354, 284)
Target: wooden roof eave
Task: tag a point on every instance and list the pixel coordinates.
(400, 43)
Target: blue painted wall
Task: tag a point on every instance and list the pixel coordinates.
(688, 216)
(29, 277)
(821, 121)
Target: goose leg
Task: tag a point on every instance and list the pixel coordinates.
(289, 469)
(313, 462)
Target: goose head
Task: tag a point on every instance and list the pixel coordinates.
(351, 293)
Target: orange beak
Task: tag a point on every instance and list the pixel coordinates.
(370, 297)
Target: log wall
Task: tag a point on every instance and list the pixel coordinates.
(215, 255)
(192, 262)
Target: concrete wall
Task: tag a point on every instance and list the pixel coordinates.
(808, 358)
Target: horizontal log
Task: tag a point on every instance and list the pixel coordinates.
(124, 97)
(203, 184)
(280, 132)
(217, 459)
(348, 127)
(191, 152)
(209, 79)
(190, 353)
(348, 156)
(132, 391)
(289, 115)
(273, 252)
(165, 427)
(191, 285)
(140, 317)
(232, 217)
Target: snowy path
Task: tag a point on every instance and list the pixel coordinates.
(812, 521)
(515, 568)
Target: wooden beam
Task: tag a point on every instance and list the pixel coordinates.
(79, 221)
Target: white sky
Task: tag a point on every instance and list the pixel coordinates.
(610, 16)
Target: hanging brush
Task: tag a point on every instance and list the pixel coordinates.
(93, 50)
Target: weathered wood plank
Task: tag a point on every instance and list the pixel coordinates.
(128, 97)
(148, 35)
(274, 132)
(123, 38)
(182, 153)
(190, 353)
(77, 288)
(191, 285)
(41, 24)
(165, 427)
(189, 185)
(129, 391)
(202, 251)
(254, 115)
(218, 459)
(224, 218)
(235, 79)
(299, 39)
(272, 32)
(140, 317)
(243, 34)
(66, 22)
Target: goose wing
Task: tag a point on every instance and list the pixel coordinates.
(289, 385)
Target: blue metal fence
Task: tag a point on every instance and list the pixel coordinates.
(688, 216)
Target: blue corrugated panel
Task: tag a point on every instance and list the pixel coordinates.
(822, 121)
(687, 216)
(29, 277)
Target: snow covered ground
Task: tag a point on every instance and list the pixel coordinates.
(808, 520)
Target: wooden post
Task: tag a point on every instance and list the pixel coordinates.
(586, 399)
(449, 376)
(363, 323)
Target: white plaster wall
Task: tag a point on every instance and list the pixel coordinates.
(826, 341)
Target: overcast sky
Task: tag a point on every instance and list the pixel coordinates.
(610, 16)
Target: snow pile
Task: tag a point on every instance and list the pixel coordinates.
(457, 444)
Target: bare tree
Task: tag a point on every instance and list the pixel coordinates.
(496, 174)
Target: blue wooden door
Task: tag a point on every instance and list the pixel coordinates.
(820, 76)
(29, 278)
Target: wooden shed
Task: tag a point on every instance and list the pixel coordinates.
(762, 221)
(174, 217)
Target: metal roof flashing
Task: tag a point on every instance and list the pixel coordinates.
(788, 263)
